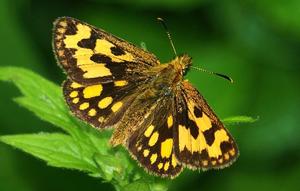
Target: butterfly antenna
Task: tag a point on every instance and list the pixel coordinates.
(168, 34)
(214, 73)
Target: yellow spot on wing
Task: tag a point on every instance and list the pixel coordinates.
(75, 100)
(103, 47)
(226, 156)
(61, 30)
(160, 165)
(146, 152)
(149, 131)
(203, 123)
(94, 70)
(105, 102)
(60, 52)
(84, 106)
(83, 55)
(174, 161)
(232, 152)
(139, 148)
(63, 23)
(170, 121)
(166, 167)
(199, 143)
(76, 85)
(153, 158)
(121, 83)
(220, 160)
(153, 139)
(101, 119)
(185, 138)
(189, 142)
(116, 106)
(74, 94)
(92, 91)
(166, 148)
(92, 112)
(126, 57)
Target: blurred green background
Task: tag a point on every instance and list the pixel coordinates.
(256, 42)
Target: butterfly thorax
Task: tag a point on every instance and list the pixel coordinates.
(181, 63)
(169, 75)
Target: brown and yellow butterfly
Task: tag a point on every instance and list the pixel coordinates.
(158, 116)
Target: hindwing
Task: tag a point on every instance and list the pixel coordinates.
(152, 144)
(101, 105)
(201, 140)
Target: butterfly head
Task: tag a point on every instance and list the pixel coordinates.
(183, 62)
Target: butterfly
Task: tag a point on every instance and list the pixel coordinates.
(161, 119)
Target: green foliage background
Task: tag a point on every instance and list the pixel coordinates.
(256, 42)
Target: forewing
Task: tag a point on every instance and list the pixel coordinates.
(201, 140)
(90, 55)
(101, 105)
(152, 145)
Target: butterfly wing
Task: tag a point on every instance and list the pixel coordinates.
(152, 144)
(101, 105)
(90, 55)
(103, 71)
(200, 139)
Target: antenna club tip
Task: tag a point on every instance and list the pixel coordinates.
(229, 79)
(159, 19)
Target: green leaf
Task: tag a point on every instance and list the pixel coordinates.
(82, 148)
(159, 186)
(138, 185)
(239, 119)
(109, 166)
(56, 149)
(40, 96)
